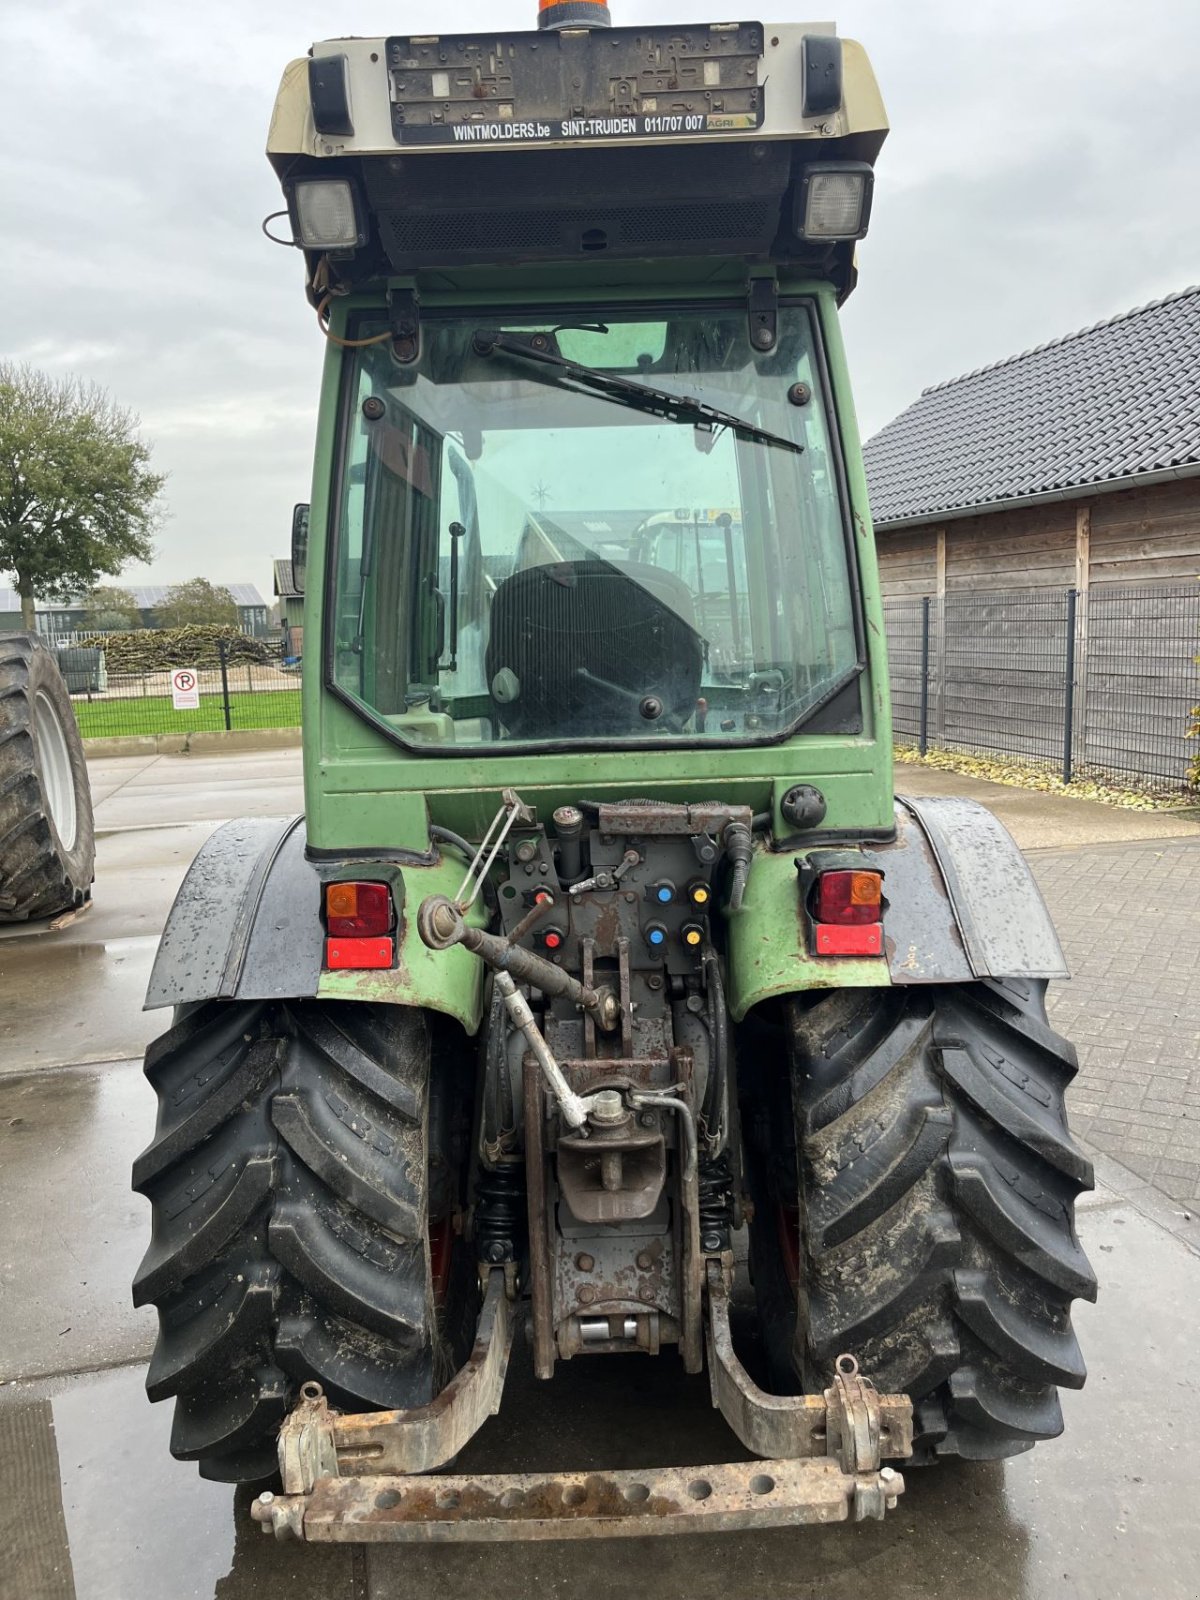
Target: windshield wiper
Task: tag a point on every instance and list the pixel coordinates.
(624, 391)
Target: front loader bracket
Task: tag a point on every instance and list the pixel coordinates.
(359, 1478)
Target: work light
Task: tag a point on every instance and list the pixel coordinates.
(326, 215)
(834, 200)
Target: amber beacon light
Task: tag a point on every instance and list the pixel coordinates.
(573, 14)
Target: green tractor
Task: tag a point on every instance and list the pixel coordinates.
(603, 937)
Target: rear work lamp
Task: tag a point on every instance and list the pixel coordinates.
(834, 200)
(359, 918)
(326, 214)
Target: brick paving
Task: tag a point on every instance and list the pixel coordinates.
(1129, 920)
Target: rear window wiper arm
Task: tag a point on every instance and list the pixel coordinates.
(626, 392)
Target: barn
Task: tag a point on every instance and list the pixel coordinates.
(1038, 530)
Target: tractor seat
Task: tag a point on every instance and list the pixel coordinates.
(585, 648)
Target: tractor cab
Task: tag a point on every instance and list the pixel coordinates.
(572, 281)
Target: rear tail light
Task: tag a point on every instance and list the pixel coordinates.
(358, 910)
(359, 955)
(859, 941)
(358, 919)
(849, 899)
(848, 913)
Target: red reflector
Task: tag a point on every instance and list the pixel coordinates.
(849, 898)
(359, 954)
(850, 941)
(354, 910)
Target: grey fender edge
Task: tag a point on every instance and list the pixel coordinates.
(992, 921)
(246, 921)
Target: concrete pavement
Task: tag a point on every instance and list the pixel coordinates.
(93, 1508)
(1042, 821)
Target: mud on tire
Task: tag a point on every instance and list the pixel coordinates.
(47, 839)
(935, 1232)
(288, 1179)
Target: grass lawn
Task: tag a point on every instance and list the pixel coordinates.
(109, 719)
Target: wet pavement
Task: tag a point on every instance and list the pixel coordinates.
(92, 1507)
(152, 816)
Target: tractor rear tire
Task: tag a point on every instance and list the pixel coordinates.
(47, 837)
(289, 1184)
(935, 1236)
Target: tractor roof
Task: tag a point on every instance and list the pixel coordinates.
(652, 142)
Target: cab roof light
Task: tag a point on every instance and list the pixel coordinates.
(326, 214)
(329, 93)
(834, 200)
(558, 14)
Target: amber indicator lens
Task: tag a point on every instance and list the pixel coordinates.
(866, 888)
(358, 910)
(849, 899)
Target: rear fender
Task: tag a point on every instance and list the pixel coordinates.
(246, 925)
(961, 904)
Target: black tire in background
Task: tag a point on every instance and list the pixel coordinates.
(289, 1180)
(918, 1211)
(47, 835)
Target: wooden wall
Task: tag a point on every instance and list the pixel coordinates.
(998, 626)
(1147, 535)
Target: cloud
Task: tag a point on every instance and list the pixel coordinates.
(1038, 177)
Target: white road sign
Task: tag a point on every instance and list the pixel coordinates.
(185, 689)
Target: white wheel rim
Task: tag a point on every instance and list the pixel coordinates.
(58, 784)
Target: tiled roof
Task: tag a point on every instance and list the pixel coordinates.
(1108, 403)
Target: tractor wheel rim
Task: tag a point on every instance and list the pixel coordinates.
(58, 783)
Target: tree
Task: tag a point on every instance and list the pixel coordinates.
(110, 607)
(77, 497)
(196, 601)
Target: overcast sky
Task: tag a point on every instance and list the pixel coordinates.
(1041, 174)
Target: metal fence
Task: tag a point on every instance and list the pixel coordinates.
(232, 694)
(1103, 680)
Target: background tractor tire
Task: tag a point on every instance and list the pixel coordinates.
(935, 1235)
(289, 1184)
(47, 837)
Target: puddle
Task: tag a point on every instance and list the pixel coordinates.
(67, 1003)
(71, 1230)
(92, 1507)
